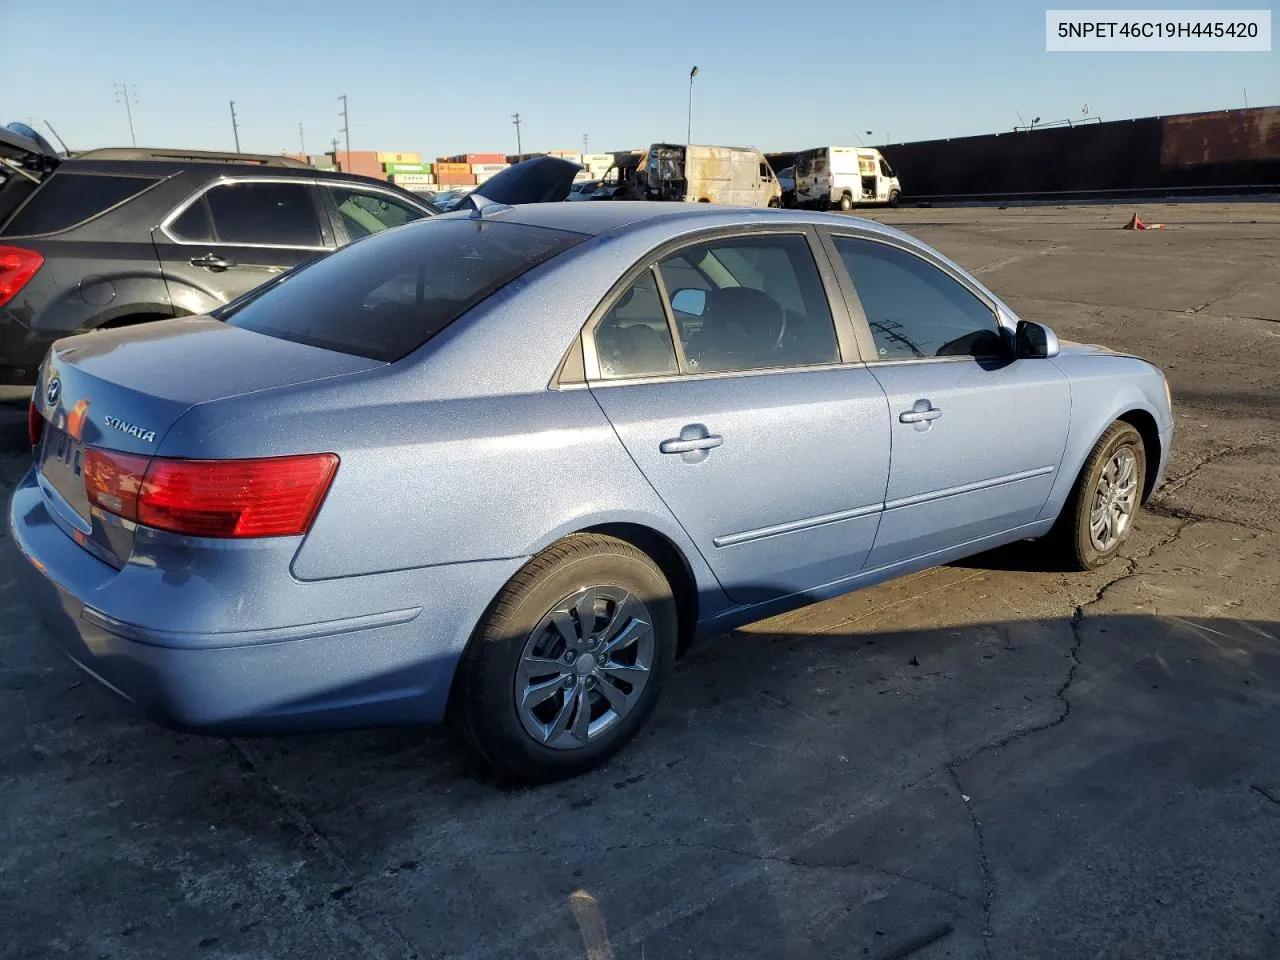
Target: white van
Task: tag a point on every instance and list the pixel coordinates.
(736, 176)
(844, 177)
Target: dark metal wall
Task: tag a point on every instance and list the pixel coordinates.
(1227, 149)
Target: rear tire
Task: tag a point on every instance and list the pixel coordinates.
(1098, 516)
(542, 694)
(846, 203)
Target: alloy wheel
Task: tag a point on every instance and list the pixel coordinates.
(1114, 500)
(584, 666)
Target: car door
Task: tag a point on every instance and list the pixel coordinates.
(977, 435)
(734, 382)
(358, 211)
(236, 234)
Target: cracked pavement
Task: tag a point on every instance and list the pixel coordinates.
(1045, 765)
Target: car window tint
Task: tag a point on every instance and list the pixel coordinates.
(68, 199)
(633, 339)
(764, 305)
(280, 214)
(384, 297)
(194, 223)
(913, 308)
(364, 213)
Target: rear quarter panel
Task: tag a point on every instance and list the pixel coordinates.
(1105, 387)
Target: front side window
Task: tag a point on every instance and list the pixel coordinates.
(364, 213)
(750, 303)
(633, 339)
(914, 309)
(386, 296)
(275, 214)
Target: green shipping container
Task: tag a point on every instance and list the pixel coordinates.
(407, 167)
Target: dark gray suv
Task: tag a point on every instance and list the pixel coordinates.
(114, 237)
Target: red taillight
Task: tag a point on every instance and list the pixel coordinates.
(17, 266)
(276, 497)
(35, 423)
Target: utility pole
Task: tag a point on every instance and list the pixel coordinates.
(1246, 97)
(302, 143)
(688, 136)
(128, 94)
(515, 118)
(346, 132)
(235, 127)
(584, 144)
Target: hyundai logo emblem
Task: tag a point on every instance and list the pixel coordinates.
(53, 391)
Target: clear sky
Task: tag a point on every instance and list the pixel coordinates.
(443, 78)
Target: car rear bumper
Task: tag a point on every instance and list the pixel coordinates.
(384, 666)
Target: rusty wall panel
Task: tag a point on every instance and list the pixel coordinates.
(1227, 136)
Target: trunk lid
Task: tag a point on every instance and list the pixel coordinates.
(123, 389)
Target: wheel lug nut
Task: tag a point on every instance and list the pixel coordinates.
(600, 660)
(591, 644)
(568, 681)
(591, 681)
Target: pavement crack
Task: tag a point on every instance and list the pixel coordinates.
(1063, 695)
(1173, 486)
(1264, 792)
(317, 840)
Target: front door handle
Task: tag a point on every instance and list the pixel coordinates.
(921, 412)
(694, 444)
(211, 261)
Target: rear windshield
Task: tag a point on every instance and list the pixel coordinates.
(386, 295)
(67, 199)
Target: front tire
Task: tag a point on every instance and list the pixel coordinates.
(1098, 516)
(567, 663)
(894, 198)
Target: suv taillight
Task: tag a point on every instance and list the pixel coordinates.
(17, 266)
(35, 422)
(274, 497)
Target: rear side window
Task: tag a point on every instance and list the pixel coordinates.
(68, 199)
(272, 214)
(386, 295)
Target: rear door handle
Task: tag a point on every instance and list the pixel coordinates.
(688, 446)
(921, 412)
(211, 261)
(694, 444)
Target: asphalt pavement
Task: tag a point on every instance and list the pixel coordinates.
(987, 759)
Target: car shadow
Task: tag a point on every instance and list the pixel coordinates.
(842, 793)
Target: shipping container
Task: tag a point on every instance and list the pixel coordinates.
(403, 178)
(407, 167)
(479, 168)
(573, 155)
(485, 158)
(597, 159)
(420, 187)
(456, 179)
(385, 157)
(452, 166)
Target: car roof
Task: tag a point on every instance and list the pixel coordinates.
(596, 218)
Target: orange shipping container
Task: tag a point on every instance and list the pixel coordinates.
(486, 158)
(456, 179)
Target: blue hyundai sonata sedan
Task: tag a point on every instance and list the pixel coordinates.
(502, 464)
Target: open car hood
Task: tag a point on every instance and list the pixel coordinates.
(540, 180)
(22, 147)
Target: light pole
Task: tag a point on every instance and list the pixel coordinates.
(128, 93)
(235, 127)
(515, 119)
(688, 134)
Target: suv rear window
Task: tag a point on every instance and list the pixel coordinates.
(386, 295)
(68, 199)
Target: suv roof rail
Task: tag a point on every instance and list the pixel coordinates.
(200, 156)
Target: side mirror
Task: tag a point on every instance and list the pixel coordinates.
(690, 301)
(1034, 341)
